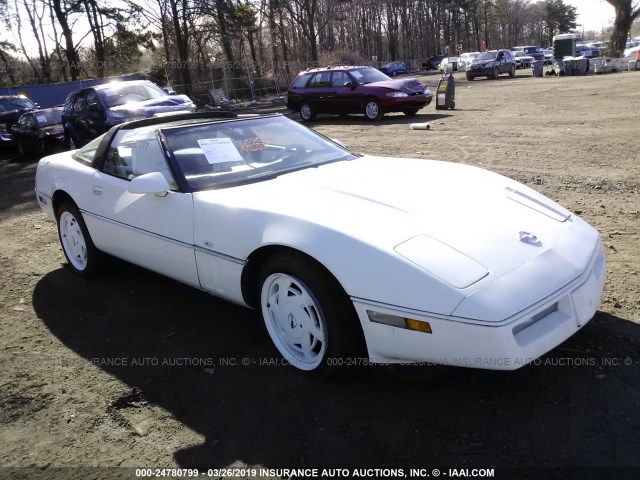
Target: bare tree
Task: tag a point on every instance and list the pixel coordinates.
(627, 11)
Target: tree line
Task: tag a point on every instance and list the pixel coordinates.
(182, 41)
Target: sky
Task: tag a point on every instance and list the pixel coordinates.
(593, 14)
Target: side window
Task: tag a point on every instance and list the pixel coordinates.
(78, 102)
(338, 79)
(136, 152)
(320, 79)
(301, 80)
(92, 97)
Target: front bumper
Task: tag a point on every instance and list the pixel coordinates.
(404, 104)
(514, 343)
(480, 72)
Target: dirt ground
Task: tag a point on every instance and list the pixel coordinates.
(133, 370)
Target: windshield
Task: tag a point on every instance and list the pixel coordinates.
(15, 103)
(122, 93)
(46, 118)
(368, 75)
(223, 153)
(486, 56)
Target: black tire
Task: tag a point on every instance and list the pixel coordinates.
(496, 73)
(470, 78)
(410, 113)
(69, 142)
(394, 73)
(512, 72)
(21, 151)
(373, 110)
(307, 112)
(82, 255)
(326, 326)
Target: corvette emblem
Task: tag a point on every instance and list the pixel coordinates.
(529, 238)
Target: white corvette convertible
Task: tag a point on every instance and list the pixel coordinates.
(350, 259)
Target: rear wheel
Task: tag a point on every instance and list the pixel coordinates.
(307, 112)
(373, 110)
(82, 255)
(308, 316)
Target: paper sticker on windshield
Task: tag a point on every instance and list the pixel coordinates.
(41, 119)
(253, 144)
(356, 74)
(109, 92)
(218, 150)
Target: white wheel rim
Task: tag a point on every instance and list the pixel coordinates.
(72, 144)
(372, 109)
(294, 321)
(305, 112)
(73, 241)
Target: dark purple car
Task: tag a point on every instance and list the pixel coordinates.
(344, 90)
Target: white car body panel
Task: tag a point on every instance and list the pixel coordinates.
(355, 218)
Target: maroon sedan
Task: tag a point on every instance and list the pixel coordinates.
(344, 90)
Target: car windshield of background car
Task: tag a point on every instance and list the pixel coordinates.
(121, 94)
(368, 75)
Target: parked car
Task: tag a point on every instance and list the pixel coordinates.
(491, 64)
(535, 52)
(92, 111)
(522, 59)
(433, 62)
(11, 108)
(548, 55)
(344, 255)
(394, 68)
(343, 90)
(466, 59)
(453, 61)
(587, 52)
(39, 131)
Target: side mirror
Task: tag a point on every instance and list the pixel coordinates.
(94, 107)
(349, 84)
(153, 182)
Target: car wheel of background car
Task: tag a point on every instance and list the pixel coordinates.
(68, 140)
(43, 147)
(373, 110)
(21, 149)
(496, 73)
(410, 113)
(469, 77)
(81, 253)
(307, 112)
(308, 316)
(512, 72)
(394, 73)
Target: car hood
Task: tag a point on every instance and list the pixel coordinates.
(149, 108)
(409, 85)
(486, 224)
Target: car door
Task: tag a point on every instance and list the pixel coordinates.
(154, 231)
(318, 91)
(20, 131)
(341, 97)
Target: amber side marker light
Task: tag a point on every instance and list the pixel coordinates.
(399, 322)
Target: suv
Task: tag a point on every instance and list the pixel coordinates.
(92, 111)
(491, 64)
(344, 90)
(11, 108)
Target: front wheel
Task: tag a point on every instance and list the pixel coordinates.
(308, 316)
(496, 73)
(82, 255)
(373, 110)
(512, 72)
